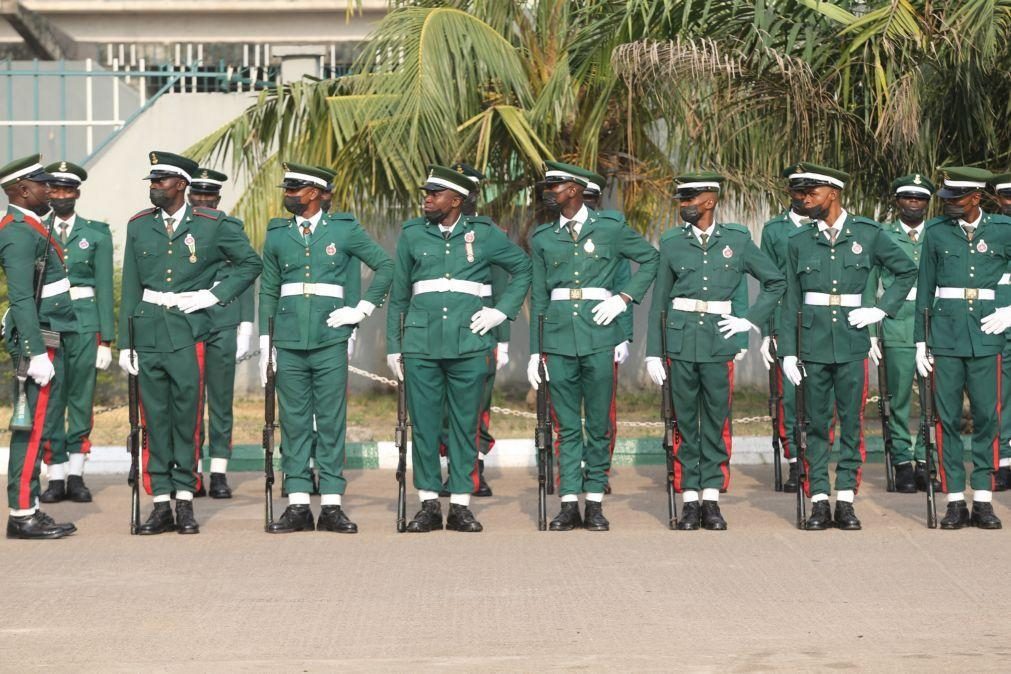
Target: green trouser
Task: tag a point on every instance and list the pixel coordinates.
(787, 412)
(846, 384)
(432, 386)
(74, 418)
(981, 378)
(25, 460)
(579, 383)
(171, 404)
(1005, 402)
(313, 382)
(900, 362)
(702, 394)
(485, 440)
(220, 391)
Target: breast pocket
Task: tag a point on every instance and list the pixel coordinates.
(809, 273)
(951, 268)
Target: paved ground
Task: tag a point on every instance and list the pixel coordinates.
(761, 596)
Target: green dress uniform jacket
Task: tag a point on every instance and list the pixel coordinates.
(88, 255)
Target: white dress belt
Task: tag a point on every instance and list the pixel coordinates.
(701, 306)
(574, 294)
(451, 285)
(966, 293)
(56, 288)
(321, 289)
(829, 300)
(81, 292)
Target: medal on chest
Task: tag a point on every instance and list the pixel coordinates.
(981, 246)
(589, 247)
(191, 244)
(331, 249)
(857, 248)
(468, 244)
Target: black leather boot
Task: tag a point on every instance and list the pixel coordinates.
(76, 490)
(333, 518)
(905, 478)
(159, 521)
(846, 517)
(186, 521)
(429, 518)
(983, 516)
(460, 518)
(294, 518)
(219, 486)
(957, 516)
(34, 527)
(691, 516)
(792, 479)
(593, 517)
(712, 518)
(55, 492)
(820, 518)
(568, 517)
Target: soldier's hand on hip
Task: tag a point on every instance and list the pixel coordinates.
(486, 319)
(196, 300)
(732, 325)
(103, 359)
(656, 370)
(924, 363)
(128, 362)
(864, 316)
(792, 370)
(393, 362)
(997, 322)
(621, 353)
(609, 309)
(766, 351)
(41, 369)
(345, 316)
(875, 353)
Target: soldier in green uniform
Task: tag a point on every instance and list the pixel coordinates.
(173, 256)
(23, 245)
(912, 194)
(230, 340)
(443, 264)
(965, 252)
(575, 261)
(87, 247)
(305, 266)
(775, 234)
(702, 266)
(1002, 480)
(827, 271)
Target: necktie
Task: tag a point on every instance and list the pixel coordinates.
(704, 238)
(63, 232)
(831, 231)
(913, 236)
(969, 230)
(446, 235)
(306, 230)
(571, 224)
(170, 226)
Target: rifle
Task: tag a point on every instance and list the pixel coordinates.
(927, 428)
(671, 432)
(885, 410)
(802, 423)
(21, 419)
(543, 433)
(400, 440)
(775, 397)
(269, 425)
(135, 437)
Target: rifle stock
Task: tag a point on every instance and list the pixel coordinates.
(269, 424)
(671, 433)
(400, 440)
(542, 433)
(135, 437)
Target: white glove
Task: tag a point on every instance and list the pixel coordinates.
(609, 309)
(264, 349)
(533, 371)
(393, 362)
(502, 355)
(351, 343)
(924, 363)
(766, 351)
(864, 316)
(243, 340)
(195, 301)
(345, 316)
(129, 362)
(41, 369)
(656, 370)
(486, 319)
(791, 370)
(732, 325)
(875, 353)
(740, 355)
(103, 359)
(997, 322)
(621, 353)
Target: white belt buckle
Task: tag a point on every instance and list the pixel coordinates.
(575, 293)
(971, 294)
(308, 289)
(701, 306)
(834, 300)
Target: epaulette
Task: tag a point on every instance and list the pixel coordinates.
(736, 227)
(276, 223)
(797, 231)
(100, 226)
(997, 219)
(414, 222)
(543, 227)
(782, 217)
(342, 216)
(862, 220)
(146, 211)
(481, 220)
(209, 213)
(673, 232)
(936, 220)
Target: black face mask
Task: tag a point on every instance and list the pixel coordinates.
(797, 206)
(63, 207)
(690, 214)
(160, 198)
(550, 200)
(818, 212)
(953, 210)
(294, 205)
(435, 217)
(325, 205)
(910, 214)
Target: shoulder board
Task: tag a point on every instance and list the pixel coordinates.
(798, 231)
(937, 220)
(782, 217)
(671, 233)
(735, 227)
(276, 223)
(146, 211)
(414, 222)
(481, 220)
(232, 218)
(544, 227)
(343, 216)
(997, 219)
(209, 213)
(862, 220)
(98, 225)
(617, 216)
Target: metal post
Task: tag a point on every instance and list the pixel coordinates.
(143, 81)
(35, 103)
(115, 96)
(88, 111)
(63, 108)
(10, 112)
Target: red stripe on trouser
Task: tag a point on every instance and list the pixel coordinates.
(145, 450)
(86, 440)
(34, 443)
(678, 472)
(47, 452)
(862, 443)
(996, 439)
(728, 440)
(475, 473)
(784, 439)
(199, 350)
(938, 437)
(556, 441)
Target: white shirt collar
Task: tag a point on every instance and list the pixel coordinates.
(907, 229)
(70, 222)
(581, 216)
(698, 232)
(312, 222)
(837, 225)
(974, 223)
(178, 215)
(450, 228)
(798, 220)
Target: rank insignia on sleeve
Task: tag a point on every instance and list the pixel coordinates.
(981, 246)
(331, 249)
(83, 245)
(857, 248)
(588, 246)
(728, 252)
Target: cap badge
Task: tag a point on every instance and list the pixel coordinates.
(588, 246)
(63, 166)
(203, 174)
(83, 245)
(154, 158)
(916, 179)
(857, 248)
(331, 249)
(981, 246)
